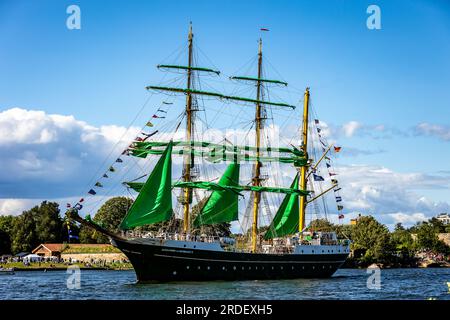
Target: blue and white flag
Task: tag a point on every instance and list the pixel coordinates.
(318, 178)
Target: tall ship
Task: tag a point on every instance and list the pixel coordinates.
(178, 226)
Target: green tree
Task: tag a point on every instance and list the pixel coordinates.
(402, 239)
(109, 216)
(24, 237)
(112, 212)
(427, 238)
(49, 225)
(6, 227)
(88, 235)
(322, 225)
(38, 225)
(372, 240)
(437, 224)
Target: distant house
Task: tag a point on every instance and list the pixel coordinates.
(444, 218)
(48, 250)
(354, 221)
(80, 252)
(21, 254)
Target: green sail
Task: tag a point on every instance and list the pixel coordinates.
(286, 219)
(222, 205)
(154, 202)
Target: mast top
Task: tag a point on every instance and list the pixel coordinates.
(260, 46)
(191, 35)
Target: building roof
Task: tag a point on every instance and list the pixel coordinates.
(22, 254)
(52, 247)
(75, 247)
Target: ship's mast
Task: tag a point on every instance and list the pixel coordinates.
(188, 159)
(303, 171)
(256, 178)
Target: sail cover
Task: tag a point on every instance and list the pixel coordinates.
(286, 219)
(222, 205)
(154, 202)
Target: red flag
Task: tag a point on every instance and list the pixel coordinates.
(337, 149)
(68, 205)
(81, 200)
(341, 216)
(264, 29)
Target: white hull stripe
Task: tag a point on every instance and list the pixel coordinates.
(239, 261)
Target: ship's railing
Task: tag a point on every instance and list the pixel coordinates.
(173, 236)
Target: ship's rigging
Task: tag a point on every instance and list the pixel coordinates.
(223, 194)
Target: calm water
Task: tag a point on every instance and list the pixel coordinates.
(345, 284)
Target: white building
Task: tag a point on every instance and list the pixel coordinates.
(444, 218)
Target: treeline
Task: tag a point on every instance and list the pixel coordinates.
(46, 224)
(372, 242)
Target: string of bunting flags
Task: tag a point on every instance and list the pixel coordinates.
(336, 189)
(143, 136)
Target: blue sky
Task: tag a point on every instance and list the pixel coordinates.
(397, 77)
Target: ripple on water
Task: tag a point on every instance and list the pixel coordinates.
(346, 284)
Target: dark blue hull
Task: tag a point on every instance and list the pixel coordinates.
(162, 263)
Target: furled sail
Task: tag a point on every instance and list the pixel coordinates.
(154, 202)
(222, 205)
(286, 219)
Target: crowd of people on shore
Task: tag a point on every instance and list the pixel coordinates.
(54, 261)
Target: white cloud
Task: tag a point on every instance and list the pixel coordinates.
(15, 206)
(391, 196)
(442, 132)
(350, 128)
(45, 155)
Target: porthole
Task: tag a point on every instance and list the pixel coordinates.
(198, 267)
(302, 251)
(292, 267)
(323, 251)
(330, 266)
(234, 267)
(256, 268)
(272, 268)
(313, 251)
(195, 246)
(332, 251)
(187, 267)
(314, 267)
(323, 267)
(174, 273)
(303, 267)
(223, 268)
(242, 268)
(249, 268)
(281, 267)
(184, 246)
(208, 268)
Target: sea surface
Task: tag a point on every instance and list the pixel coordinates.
(417, 284)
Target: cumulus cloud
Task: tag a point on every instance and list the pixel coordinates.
(44, 155)
(391, 196)
(54, 157)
